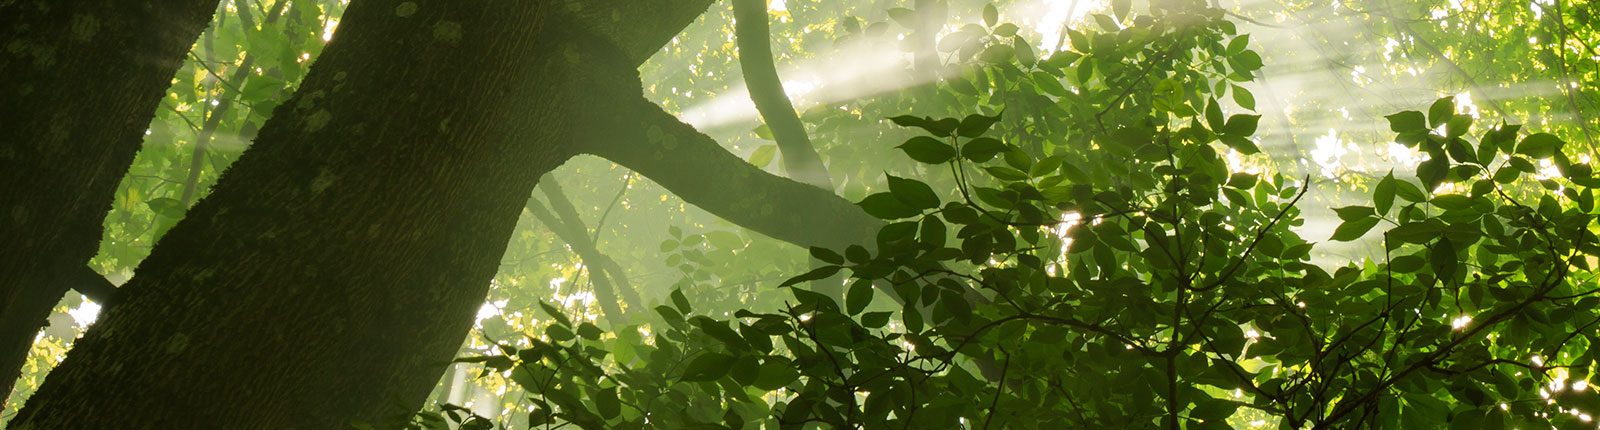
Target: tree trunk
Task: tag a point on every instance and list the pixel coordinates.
(82, 81)
(330, 276)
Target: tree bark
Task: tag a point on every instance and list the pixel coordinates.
(82, 81)
(330, 276)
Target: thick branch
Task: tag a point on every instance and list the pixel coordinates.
(637, 28)
(642, 137)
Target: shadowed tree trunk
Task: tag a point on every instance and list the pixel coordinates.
(81, 82)
(330, 276)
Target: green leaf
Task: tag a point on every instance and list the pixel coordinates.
(1049, 84)
(982, 149)
(1406, 264)
(1213, 409)
(1243, 181)
(905, 17)
(857, 254)
(589, 331)
(1353, 229)
(1214, 115)
(911, 121)
(1383, 194)
(607, 404)
(1245, 62)
(1241, 125)
(561, 318)
(815, 274)
(1407, 122)
(974, 125)
(763, 155)
(1540, 145)
(167, 207)
(1441, 111)
(886, 206)
(1348, 213)
(1024, 52)
(1460, 151)
(1006, 173)
(1238, 44)
(1452, 201)
(932, 232)
(679, 301)
(558, 333)
(1443, 258)
(1468, 420)
(1432, 172)
(998, 54)
(928, 150)
(875, 319)
(775, 375)
(719, 330)
(746, 368)
(1458, 126)
(1409, 191)
(826, 255)
(913, 193)
(1243, 96)
(1240, 143)
(1005, 30)
(710, 366)
(858, 297)
(990, 15)
(1046, 166)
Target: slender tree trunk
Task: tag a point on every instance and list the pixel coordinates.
(82, 80)
(761, 79)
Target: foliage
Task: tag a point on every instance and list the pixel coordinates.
(1132, 278)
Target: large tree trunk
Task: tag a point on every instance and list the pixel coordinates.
(82, 80)
(330, 276)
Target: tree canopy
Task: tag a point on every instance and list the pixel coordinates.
(800, 214)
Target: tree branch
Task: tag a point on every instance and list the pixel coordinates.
(640, 136)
